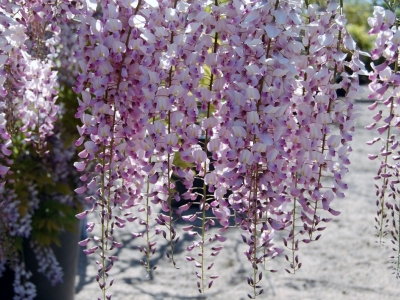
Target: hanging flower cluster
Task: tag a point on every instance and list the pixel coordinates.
(385, 87)
(233, 100)
(244, 92)
(29, 35)
(28, 83)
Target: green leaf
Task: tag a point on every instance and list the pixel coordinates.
(63, 188)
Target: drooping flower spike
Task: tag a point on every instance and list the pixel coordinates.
(244, 92)
(385, 87)
(234, 100)
(29, 36)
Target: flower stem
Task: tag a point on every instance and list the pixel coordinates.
(204, 201)
(255, 221)
(385, 180)
(171, 233)
(324, 139)
(107, 203)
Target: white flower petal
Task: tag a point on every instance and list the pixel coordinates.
(152, 3)
(137, 21)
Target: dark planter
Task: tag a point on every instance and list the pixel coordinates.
(197, 183)
(67, 256)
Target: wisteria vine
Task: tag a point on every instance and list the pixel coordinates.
(385, 88)
(29, 88)
(234, 100)
(226, 86)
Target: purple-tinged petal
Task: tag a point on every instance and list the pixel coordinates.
(275, 224)
(220, 238)
(81, 190)
(370, 126)
(334, 212)
(84, 242)
(3, 170)
(82, 215)
(382, 129)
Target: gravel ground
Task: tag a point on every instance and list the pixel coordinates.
(346, 263)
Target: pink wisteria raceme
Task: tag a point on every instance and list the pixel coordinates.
(245, 93)
(235, 101)
(385, 87)
(29, 33)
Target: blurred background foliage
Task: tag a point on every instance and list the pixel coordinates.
(393, 5)
(50, 178)
(357, 13)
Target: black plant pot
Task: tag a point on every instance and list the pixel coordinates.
(197, 183)
(67, 256)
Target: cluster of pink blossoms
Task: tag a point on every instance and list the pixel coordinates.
(242, 91)
(385, 87)
(239, 96)
(29, 35)
(28, 84)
